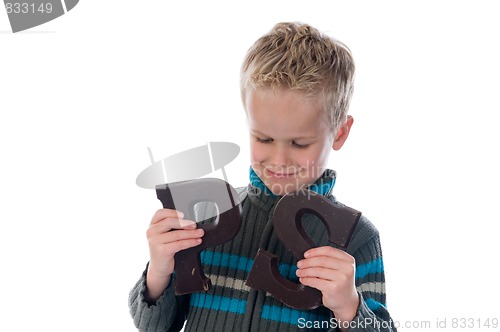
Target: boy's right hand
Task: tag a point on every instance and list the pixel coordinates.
(168, 233)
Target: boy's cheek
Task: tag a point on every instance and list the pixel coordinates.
(257, 156)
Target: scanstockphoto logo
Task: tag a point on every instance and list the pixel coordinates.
(26, 14)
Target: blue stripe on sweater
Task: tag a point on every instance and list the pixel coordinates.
(279, 314)
(204, 300)
(375, 266)
(373, 305)
(245, 264)
(226, 260)
(290, 316)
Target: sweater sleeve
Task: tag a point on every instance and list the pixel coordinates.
(372, 314)
(168, 313)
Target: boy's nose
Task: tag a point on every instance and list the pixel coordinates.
(280, 156)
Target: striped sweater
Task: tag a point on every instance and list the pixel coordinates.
(233, 306)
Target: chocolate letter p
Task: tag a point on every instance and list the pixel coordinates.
(183, 196)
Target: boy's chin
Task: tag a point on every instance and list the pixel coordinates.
(279, 193)
(280, 190)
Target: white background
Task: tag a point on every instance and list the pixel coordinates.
(83, 96)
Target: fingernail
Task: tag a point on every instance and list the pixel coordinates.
(187, 223)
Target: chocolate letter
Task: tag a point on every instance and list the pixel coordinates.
(183, 196)
(287, 220)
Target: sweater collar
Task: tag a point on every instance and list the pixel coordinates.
(264, 198)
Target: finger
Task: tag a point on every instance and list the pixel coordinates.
(170, 224)
(184, 244)
(318, 272)
(180, 235)
(323, 261)
(328, 251)
(167, 225)
(174, 223)
(166, 213)
(319, 284)
(170, 249)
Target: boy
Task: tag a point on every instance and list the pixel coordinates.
(296, 85)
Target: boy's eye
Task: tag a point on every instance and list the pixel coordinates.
(267, 140)
(270, 140)
(300, 146)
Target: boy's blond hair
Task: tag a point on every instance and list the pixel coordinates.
(297, 56)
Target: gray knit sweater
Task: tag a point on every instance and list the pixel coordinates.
(233, 306)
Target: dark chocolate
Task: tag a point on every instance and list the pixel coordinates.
(265, 276)
(340, 222)
(183, 196)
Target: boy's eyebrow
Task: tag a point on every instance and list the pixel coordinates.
(303, 137)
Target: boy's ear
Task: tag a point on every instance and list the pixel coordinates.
(343, 133)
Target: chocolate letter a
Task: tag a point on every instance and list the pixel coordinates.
(287, 220)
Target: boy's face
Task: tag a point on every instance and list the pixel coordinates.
(290, 141)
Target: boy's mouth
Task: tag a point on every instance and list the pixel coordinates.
(280, 175)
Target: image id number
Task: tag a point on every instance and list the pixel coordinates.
(474, 323)
(25, 8)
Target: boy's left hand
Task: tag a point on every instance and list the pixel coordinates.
(331, 271)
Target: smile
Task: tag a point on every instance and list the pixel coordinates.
(280, 175)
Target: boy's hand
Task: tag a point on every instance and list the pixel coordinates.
(167, 234)
(331, 271)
